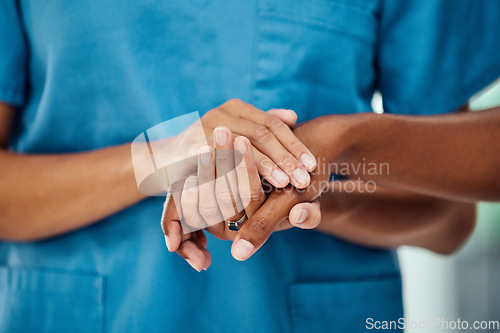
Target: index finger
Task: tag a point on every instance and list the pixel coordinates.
(281, 131)
(249, 184)
(278, 128)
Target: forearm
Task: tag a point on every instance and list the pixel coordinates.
(377, 217)
(46, 195)
(430, 222)
(453, 156)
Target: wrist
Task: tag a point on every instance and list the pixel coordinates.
(186, 144)
(160, 163)
(357, 135)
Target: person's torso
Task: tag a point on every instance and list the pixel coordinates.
(101, 73)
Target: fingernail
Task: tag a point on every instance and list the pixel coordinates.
(240, 146)
(279, 176)
(301, 217)
(191, 184)
(220, 136)
(308, 161)
(192, 265)
(167, 241)
(242, 250)
(301, 176)
(205, 155)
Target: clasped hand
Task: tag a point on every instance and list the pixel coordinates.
(228, 185)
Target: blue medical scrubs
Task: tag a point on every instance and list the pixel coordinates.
(90, 74)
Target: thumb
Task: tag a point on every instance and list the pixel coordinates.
(306, 215)
(257, 229)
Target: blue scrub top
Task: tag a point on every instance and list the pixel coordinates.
(90, 74)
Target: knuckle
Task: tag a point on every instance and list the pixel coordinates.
(287, 161)
(212, 113)
(265, 165)
(259, 226)
(261, 134)
(274, 123)
(295, 145)
(225, 197)
(234, 102)
(209, 212)
(251, 196)
(224, 157)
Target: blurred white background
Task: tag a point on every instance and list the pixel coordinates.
(464, 286)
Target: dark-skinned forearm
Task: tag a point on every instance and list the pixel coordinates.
(378, 217)
(438, 224)
(454, 156)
